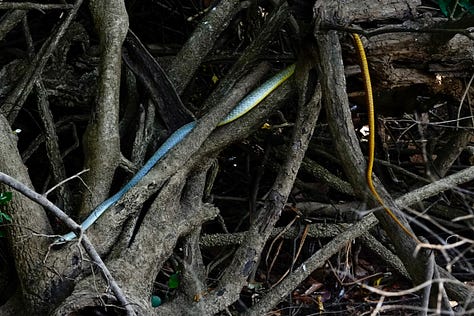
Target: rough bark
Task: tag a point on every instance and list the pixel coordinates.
(10, 20)
(351, 155)
(136, 241)
(200, 43)
(435, 63)
(102, 140)
(27, 237)
(340, 122)
(17, 96)
(247, 255)
(220, 102)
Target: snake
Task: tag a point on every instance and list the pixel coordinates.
(245, 105)
(369, 99)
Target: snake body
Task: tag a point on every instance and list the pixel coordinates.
(370, 111)
(245, 105)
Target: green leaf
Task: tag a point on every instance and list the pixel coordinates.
(155, 301)
(173, 281)
(451, 9)
(5, 197)
(444, 5)
(2, 233)
(468, 5)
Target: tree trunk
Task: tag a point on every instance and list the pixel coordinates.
(419, 62)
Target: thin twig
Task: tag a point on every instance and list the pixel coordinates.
(43, 201)
(447, 183)
(394, 29)
(407, 291)
(317, 260)
(77, 175)
(462, 100)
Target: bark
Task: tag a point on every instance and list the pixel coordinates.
(351, 155)
(434, 63)
(200, 44)
(317, 260)
(52, 145)
(247, 255)
(17, 96)
(114, 267)
(27, 237)
(221, 101)
(102, 140)
(10, 20)
(340, 123)
(128, 243)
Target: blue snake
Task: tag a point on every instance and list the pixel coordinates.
(245, 105)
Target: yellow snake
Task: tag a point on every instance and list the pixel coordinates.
(370, 111)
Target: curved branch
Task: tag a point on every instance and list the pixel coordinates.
(38, 198)
(201, 42)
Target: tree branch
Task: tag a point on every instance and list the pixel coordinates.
(102, 139)
(316, 261)
(349, 151)
(201, 42)
(247, 256)
(40, 199)
(16, 98)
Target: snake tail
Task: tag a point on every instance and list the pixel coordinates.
(370, 111)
